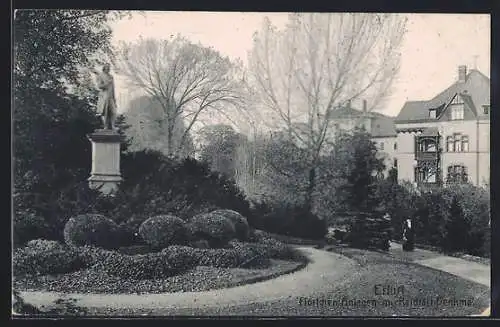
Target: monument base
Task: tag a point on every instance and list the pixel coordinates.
(106, 184)
(105, 175)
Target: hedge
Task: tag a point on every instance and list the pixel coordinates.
(240, 223)
(92, 229)
(212, 227)
(50, 259)
(164, 230)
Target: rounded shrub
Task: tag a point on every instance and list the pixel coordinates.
(163, 230)
(91, 229)
(50, 259)
(214, 228)
(240, 223)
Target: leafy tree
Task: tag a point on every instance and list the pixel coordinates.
(148, 128)
(283, 175)
(357, 167)
(456, 228)
(219, 148)
(54, 54)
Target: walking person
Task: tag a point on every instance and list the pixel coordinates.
(408, 236)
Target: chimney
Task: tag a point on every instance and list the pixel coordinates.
(364, 106)
(348, 104)
(462, 73)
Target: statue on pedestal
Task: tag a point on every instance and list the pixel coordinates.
(106, 104)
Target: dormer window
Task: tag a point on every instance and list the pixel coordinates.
(432, 113)
(457, 108)
(486, 109)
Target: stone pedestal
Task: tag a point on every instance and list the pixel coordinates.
(105, 174)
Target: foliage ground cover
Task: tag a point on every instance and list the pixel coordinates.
(51, 266)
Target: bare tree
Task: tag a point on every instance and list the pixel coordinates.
(186, 79)
(318, 63)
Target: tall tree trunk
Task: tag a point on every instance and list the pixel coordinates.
(170, 135)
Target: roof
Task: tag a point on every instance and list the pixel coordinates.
(381, 126)
(344, 112)
(475, 91)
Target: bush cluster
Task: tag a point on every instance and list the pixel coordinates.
(92, 229)
(164, 230)
(28, 226)
(153, 185)
(369, 231)
(212, 227)
(453, 218)
(42, 257)
(290, 220)
(240, 223)
(51, 258)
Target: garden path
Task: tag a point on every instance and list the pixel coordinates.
(325, 268)
(466, 269)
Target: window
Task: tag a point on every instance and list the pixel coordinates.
(395, 146)
(395, 163)
(486, 109)
(427, 145)
(465, 143)
(449, 144)
(432, 113)
(425, 175)
(381, 145)
(430, 146)
(457, 143)
(457, 112)
(457, 174)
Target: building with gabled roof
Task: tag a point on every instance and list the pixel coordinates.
(346, 118)
(446, 138)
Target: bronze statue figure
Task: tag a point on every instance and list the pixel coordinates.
(106, 105)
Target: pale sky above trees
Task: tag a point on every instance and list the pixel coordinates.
(434, 46)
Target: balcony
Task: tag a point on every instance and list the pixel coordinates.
(426, 156)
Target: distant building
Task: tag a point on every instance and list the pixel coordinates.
(447, 138)
(345, 119)
(381, 128)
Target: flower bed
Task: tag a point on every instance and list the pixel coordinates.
(176, 268)
(201, 278)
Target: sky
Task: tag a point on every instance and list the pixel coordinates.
(433, 48)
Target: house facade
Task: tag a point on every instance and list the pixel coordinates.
(381, 127)
(447, 138)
